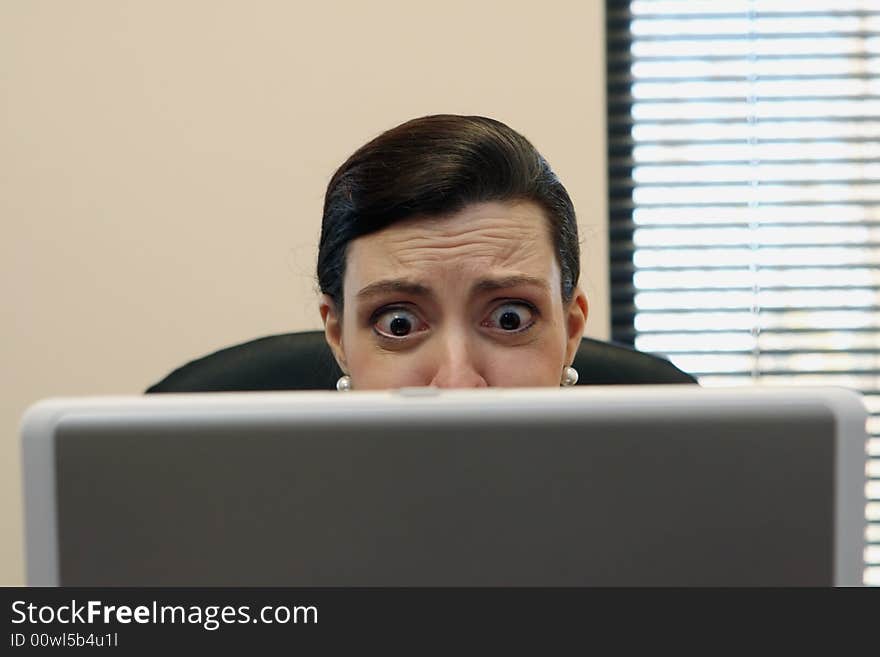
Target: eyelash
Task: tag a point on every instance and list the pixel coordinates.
(374, 317)
(518, 302)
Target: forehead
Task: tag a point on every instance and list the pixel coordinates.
(482, 238)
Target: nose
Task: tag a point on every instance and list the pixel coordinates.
(458, 365)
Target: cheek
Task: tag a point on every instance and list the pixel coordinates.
(537, 365)
(374, 369)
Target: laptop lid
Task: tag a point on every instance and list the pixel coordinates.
(618, 486)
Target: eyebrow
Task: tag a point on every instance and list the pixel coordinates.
(518, 280)
(418, 289)
(395, 287)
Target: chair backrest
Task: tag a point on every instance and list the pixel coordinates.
(303, 361)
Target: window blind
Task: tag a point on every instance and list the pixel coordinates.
(744, 161)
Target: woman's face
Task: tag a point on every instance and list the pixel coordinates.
(468, 300)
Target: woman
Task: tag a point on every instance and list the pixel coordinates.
(449, 257)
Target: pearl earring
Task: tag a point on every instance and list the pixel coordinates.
(569, 377)
(344, 383)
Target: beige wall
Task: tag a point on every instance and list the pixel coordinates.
(162, 166)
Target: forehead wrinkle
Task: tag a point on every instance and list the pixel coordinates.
(461, 232)
(463, 246)
(494, 246)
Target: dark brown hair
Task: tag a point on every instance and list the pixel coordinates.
(436, 165)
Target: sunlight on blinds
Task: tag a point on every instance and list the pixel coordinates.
(754, 167)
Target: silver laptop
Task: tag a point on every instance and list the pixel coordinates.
(622, 486)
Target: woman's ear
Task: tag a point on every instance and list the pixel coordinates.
(575, 322)
(333, 330)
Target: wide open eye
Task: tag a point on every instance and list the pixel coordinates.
(511, 317)
(397, 323)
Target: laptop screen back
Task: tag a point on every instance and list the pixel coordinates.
(605, 499)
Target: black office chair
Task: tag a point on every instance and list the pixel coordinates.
(303, 361)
